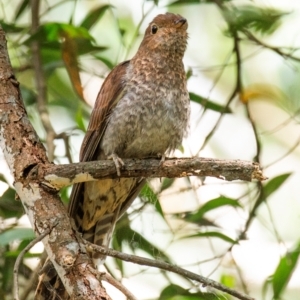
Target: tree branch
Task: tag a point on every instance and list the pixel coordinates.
(23, 150)
(58, 176)
(277, 50)
(19, 259)
(167, 267)
(118, 285)
(33, 279)
(41, 82)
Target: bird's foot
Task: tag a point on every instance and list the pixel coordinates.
(118, 162)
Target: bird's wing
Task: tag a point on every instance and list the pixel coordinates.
(110, 93)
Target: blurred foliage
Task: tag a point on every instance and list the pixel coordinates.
(250, 17)
(70, 49)
(284, 271)
(175, 292)
(208, 104)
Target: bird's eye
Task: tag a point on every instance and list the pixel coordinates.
(154, 29)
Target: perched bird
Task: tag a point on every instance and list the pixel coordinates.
(142, 110)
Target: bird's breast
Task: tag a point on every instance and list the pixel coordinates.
(150, 119)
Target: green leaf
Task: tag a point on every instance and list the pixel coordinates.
(9, 206)
(62, 94)
(52, 53)
(15, 254)
(53, 38)
(54, 32)
(86, 46)
(122, 224)
(166, 183)
(200, 222)
(23, 244)
(64, 194)
(28, 95)
(13, 234)
(2, 178)
(94, 16)
(170, 291)
(284, 271)
(23, 5)
(79, 120)
(7, 272)
(274, 184)
(185, 2)
(176, 292)
(228, 280)
(51, 57)
(11, 28)
(262, 20)
(189, 73)
(207, 104)
(151, 197)
(211, 234)
(136, 241)
(107, 62)
(211, 205)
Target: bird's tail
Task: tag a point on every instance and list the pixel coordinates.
(100, 234)
(50, 287)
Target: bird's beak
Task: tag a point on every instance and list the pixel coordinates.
(182, 21)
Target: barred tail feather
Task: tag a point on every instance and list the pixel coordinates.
(101, 234)
(50, 287)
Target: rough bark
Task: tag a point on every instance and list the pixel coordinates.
(58, 176)
(23, 151)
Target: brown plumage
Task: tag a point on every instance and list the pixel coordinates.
(142, 110)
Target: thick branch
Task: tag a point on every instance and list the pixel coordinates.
(58, 176)
(23, 150)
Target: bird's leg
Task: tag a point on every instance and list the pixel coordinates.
(118, 162)
(163, 158)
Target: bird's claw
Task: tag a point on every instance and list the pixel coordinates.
(118, 162)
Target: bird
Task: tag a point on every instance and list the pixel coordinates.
(142, 110)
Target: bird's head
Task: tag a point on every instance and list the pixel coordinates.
(167, 32)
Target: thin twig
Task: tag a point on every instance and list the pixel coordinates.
(206, 282)
(261, 196)
(277, 50)
(107, 277)
(291, 150)
(41, 82)
(33, 280)
(240, 274)
(255, 132)
(137, 28)
(19, 259)
(281, 125)
(66, 139)
(235, 92)
(238, 90)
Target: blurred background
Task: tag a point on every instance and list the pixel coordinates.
(242, 65)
